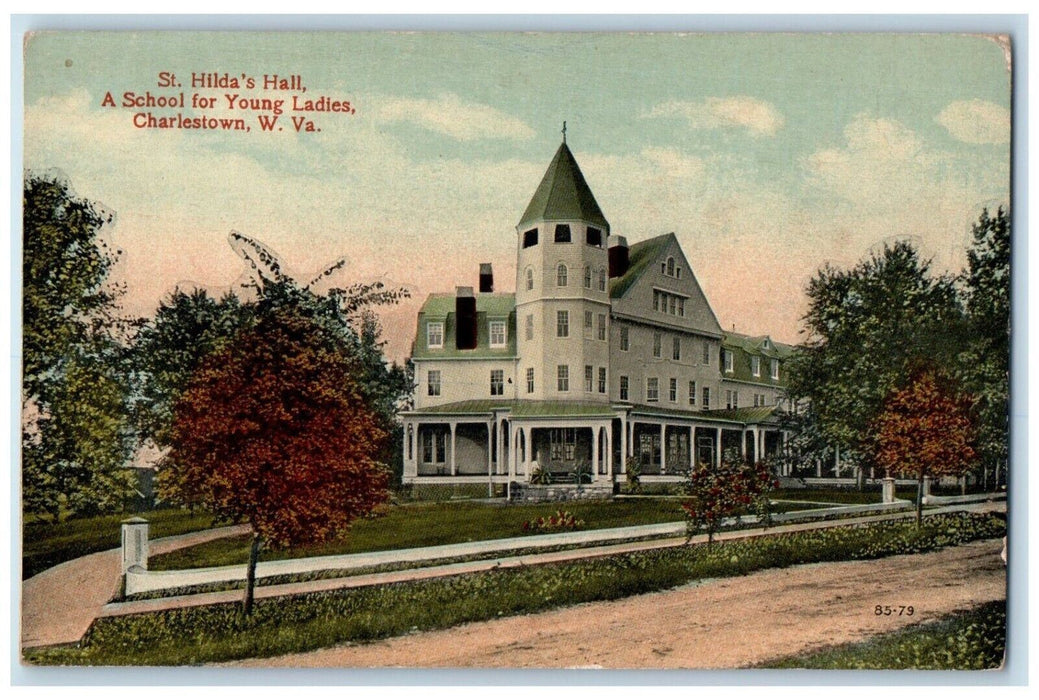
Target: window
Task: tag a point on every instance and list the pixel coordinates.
(435, 334)
(563, 378)
(530, 278)
(601, 333)
(587, 276)
(433, 382)
(666, 303)
(755, 366)
(497, 382)
(775, 369)
(561, 275)
(602, 380)
(562, 233)
(562, 324)
(624, 338)
(588, 323)
(588, 371)
(602, 279)
(652, 389)
(530, 238)
(530, 380)
(678, 272)
(692, 393)
(706, 402)
(593, 236)
(562, 444)
(672, 305)
(676, 348)
(672, 392)
(681, 306)
(497, 334)
(670, 267)
(728, 398)
(434, 448)
(656, 300)
(656, 344)
(530, 326)
(727, 357)
(735, 399)
(624, 388)
(706, 353)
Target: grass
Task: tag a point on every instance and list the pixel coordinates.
(46, 544)
(971, 640)
(431, 524)
(845, 496)
(319, 620)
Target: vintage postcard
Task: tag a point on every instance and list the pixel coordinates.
(515, 350)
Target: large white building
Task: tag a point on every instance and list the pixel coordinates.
(603, 352)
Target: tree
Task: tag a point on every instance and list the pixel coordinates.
(925, 429)
(866, 328)
(716, 494)
(75, 436)
(986, 361)
(273, 430)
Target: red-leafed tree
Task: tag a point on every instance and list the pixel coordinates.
(925, 429)
(716, 494)
(273, 430)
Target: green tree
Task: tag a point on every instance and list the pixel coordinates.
(273, 430)
(866, 328)
(986, 361)
(925, 429)
(74, 429)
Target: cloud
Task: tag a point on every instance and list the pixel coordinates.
(976, 121)
(760, 118)
(448, 115)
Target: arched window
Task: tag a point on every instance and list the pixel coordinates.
(561, 275)
(671, 267)
(530, 278)
(602, 279)
(587, 277)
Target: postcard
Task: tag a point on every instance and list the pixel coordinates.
(515, 350)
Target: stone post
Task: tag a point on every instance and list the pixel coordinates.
(135, 543)
(927, 486)
(889, 489)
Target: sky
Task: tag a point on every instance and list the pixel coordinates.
(768, 155)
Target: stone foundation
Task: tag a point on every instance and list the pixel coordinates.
(535, 493)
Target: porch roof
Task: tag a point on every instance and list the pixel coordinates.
(740, 416)
(520, 409)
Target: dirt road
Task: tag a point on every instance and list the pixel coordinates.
(723, 623)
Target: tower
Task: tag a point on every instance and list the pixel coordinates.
(562, 289)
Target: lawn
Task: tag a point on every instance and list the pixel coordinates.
(973, 640)
(46, 544)
(431, 524)
(314, 621)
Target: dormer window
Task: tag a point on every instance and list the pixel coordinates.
(727, 358)
(562, 233)
(766, 344)
(755, 366)
(775, 370)
(530, 238)
(497, 333)
(435, 334)
(561, 275)
(594, 237)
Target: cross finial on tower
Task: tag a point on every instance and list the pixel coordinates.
(564, 131)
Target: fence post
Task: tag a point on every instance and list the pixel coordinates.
(135, 543)
(927, 486)
(889, 490)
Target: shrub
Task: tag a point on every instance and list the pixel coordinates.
(562, 520)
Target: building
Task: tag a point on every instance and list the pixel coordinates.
(603, 353)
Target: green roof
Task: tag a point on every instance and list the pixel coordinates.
(640, 255)
(441, 307)
(563, 194)
(729, 415)
(522, 409)
(744, 347)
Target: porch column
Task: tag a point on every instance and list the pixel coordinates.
(818, 468)
(595, 453)
(609, 451)
(663, 447)
(788, 468)
(624, 444)
(513, 451)
(718, 448)
(490, 449)
(501, 445)
(692, 447)
(454, 465)
(837, 461)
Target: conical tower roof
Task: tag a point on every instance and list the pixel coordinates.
(563, 194)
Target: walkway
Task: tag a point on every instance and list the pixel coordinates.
(59, 604)
(420, 573)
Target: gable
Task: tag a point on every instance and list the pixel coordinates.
(647, 277)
